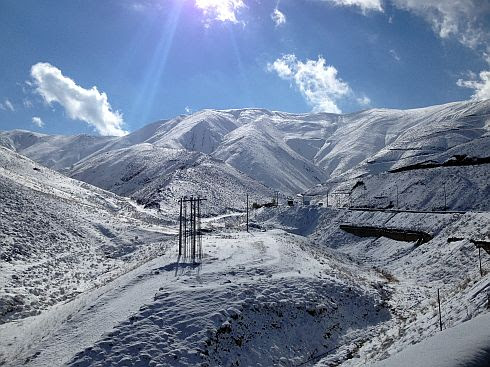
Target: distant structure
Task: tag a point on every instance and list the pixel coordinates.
(190, 233)
(305, 199)
(275, 199)
(342, 198)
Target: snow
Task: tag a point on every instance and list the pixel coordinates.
(309, 148)
(253, 297)
(464, 345)
(67, 328)
(258, 149)
(61, 237)
(158, 177)
(90, 274)
(413, 273)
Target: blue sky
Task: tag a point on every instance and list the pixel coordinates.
(109, 67)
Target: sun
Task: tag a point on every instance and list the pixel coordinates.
(222, 10)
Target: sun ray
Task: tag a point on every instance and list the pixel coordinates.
(156, 67)
(241, 69)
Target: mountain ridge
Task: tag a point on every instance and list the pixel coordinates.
(288, 152)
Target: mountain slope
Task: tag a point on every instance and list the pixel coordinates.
(350, 287)
(60, 237)
(441, 162)
(156, 177)
(53, 151)
(259, 149)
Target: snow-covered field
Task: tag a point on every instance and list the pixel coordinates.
(268, 298)
(92, 277)
(260, 298)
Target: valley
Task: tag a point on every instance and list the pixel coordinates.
(345, 269)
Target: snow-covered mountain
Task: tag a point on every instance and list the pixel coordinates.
(286, 152)
(157, 177)
(90, 273)
(57, 152)
(260, 149)
(435, 133)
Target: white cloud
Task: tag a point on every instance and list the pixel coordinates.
(471, 75)
(140, 6)
(463, 19)
(283, 66)
(27, 103)
(364, 101)
(137, 7)
(481, 87)
(7, 106)
(468, 21)
(395, 55)
(317, 82)
(87, 105)
(188, 110)
(278, 17)
(365, 5)
(37, 121)
(222, 10)
(486, 55)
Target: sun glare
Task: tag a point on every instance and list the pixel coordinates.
(222, 10)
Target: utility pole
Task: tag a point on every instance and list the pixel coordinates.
(193, 228)
(439, 302)
(185, 225)
(180, 228)
(247, 212)
(199, 232)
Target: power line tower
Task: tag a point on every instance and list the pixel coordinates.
(190, 233)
